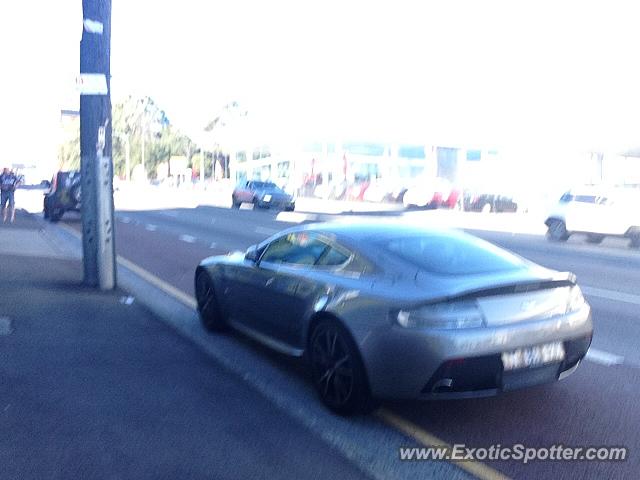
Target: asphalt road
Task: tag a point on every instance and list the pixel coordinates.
(596, 406)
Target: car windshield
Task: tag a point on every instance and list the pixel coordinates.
(452, 254)
(265, 186)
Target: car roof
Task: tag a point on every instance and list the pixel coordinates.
(373, 231)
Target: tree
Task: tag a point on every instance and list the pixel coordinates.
(229, 117)
(141, 120)
(135, 120)
(69, 151)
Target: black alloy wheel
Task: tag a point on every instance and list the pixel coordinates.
(208, 307)
(557, 231)
(337, 370)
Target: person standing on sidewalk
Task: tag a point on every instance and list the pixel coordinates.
(8, 184)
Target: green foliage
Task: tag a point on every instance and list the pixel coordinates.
(133, 119)
(138, 118)
(69, 152)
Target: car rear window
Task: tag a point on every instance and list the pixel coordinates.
(265, 185)
(455, 254)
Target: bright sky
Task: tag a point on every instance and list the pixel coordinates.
(489, 73)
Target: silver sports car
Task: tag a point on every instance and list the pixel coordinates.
(396, 311)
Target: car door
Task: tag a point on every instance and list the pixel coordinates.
(244, 193)
(581, 213)
(269, 291)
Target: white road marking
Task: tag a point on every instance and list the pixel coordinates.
(295, 217)
(611, 295)
(265, 230)
(188, 238)
(5, 326)
(604, 358)
(150, 227)
(125, 219)
(213, 245)
(170, 214)
(128, 300)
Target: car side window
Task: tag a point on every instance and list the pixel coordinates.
(333, 257)
(566, 198)
(294, 249)
(585, 198)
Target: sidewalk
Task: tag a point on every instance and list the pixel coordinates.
(91, 387)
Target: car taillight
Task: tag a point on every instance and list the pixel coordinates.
(445, 315)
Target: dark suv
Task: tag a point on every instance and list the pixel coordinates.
(64, 195)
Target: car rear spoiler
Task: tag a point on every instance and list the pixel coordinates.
(563, 279)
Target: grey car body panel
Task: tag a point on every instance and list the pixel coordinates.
(280, 302)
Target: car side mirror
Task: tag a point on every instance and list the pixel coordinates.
(252, 254)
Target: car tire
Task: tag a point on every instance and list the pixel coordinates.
(235, 203)
(337, 370)
(55, 215)
(208, 307)
(635, 240)
(557, 231)
(594, 238)
(76, 193)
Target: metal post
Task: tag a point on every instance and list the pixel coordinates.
(96, 146)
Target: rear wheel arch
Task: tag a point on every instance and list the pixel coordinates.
(363, 402)
(324, 316)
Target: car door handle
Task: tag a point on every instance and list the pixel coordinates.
(269, 281)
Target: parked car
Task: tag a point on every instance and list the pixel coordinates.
(427, 193)
(489, 202)
(388, 310)
(598, 213)
(64, 195)
(262, 195)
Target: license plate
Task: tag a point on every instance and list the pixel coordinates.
(529, 357)
(267, 198)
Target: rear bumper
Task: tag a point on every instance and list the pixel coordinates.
(283, 204)
(405, 363)
(484, 376)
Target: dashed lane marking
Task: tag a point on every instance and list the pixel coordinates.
(188, 238)
(5, 326)
(604, 358)
(611, 295)
(265, 230)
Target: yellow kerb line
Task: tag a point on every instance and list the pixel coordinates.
(474, 467)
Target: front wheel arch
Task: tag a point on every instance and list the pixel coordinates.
(217, 322)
